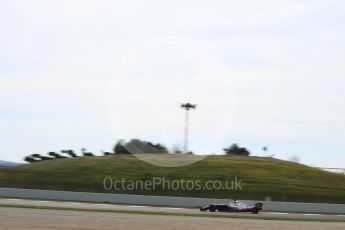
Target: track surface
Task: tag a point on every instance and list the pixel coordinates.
(34, 219)
(101, 206)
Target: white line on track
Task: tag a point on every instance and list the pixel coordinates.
(311, 214)
(13, 199)
(341, 215)
(43, 201)
(137, 206)
(174, 208)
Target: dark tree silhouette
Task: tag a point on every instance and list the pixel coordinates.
(30, 159)
(161, 148)
(236, 150)
(39, 157)
(33, 158)
(107, 153)
(86, 154)
(70, 153)
(45, 158)
(35, 155)
(120, 149)
(56, 155)
(137, 146)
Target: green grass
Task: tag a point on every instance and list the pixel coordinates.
(261, 177)
(173, 214)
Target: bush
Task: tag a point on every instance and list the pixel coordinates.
(236, 150)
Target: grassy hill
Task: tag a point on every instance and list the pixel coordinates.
(261, 177)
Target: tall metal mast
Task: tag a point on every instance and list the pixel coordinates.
(187, 107)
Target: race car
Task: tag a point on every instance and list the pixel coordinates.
(233, 207)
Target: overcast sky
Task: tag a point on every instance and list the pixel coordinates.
(84, 73)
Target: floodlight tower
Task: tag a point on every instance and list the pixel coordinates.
(187, 107)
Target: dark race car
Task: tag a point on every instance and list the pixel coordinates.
(233, 207)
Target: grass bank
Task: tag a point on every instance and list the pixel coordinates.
(261, 177)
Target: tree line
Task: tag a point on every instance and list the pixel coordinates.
(134, 146)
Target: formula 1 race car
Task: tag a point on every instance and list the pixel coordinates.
(233, 207)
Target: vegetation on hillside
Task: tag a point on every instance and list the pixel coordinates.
(134, 146)
(236, 150)
(261, 177)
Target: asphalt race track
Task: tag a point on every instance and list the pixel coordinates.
(34, 219)
(118, 207)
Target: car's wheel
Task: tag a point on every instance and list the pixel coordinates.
(212, 208)
(255, 211)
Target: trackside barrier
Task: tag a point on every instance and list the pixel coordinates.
(163, 200)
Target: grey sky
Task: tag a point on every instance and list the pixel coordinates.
(85, 73)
